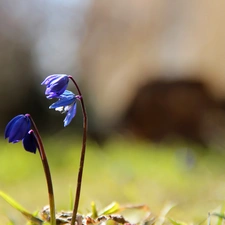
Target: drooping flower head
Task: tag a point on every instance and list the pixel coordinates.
(56, 84)
(66, 104)
(30, 142)
(19, 129)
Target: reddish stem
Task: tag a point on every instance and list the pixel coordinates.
(82, 157)
(46, 170)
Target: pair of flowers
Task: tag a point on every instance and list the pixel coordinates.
(19, 128)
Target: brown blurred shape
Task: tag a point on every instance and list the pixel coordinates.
(156, 67)
(170, 108)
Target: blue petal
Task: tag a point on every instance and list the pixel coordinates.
(48, 79)
(59, 81)
(56, 84)
(49, 94)
(67, 94)
(70, 114)
(54, 93)
(62, 102)
(17, 128)
(30, 142)
(10, 125)
(65, 99)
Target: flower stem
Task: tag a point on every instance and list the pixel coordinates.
(82, 157)
(47, 172)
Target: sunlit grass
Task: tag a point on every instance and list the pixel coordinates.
(122, 171)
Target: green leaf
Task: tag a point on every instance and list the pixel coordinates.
(175, 222)
(221, 216)
(164, 212)
(110, 209)
(94, 211)
(34, 220)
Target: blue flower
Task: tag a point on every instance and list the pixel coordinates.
(18, 129)
(30, 142)
(66, 104)
(56, 84)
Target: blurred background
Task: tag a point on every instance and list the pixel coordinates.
(151, 69)
(151, 72)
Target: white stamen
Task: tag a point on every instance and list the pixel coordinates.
(63, 109)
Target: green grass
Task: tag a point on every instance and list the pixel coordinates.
(128, 172)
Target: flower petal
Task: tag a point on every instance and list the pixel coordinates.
(62, 102)
(67, 94)
(56, 84)
(17, 128)
(71, 113)
(48, 79)
(18, 132)
(30, 142)
(65, 99)
(10, 125)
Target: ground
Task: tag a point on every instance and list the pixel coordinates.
(126, 171)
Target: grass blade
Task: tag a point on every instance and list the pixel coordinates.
(17, 206)
(110, 209)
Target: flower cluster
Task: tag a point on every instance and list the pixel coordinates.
(56, 85)
(19, 129)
